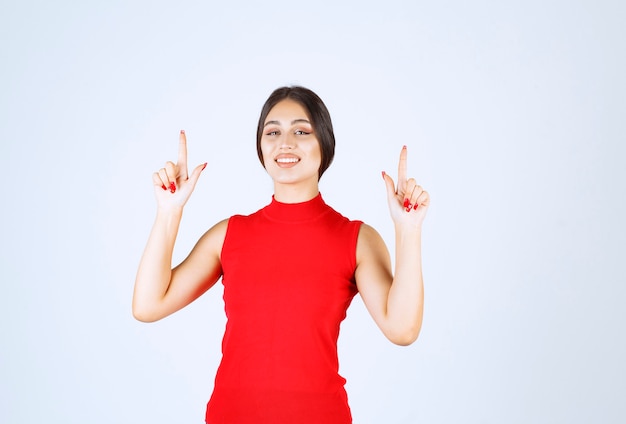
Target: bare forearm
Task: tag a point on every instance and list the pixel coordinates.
(406, 294)
(154, 273)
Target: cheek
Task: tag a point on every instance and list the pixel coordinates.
(317, 151)
(264, 153)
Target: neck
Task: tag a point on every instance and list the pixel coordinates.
(294, 193)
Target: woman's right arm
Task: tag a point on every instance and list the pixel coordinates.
(159, 289)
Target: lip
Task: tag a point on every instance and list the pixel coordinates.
(286, 160)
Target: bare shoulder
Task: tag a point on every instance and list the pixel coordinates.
(218, 230)
(213, 239)
(373, 270)
(203, 264)
(367, 232)
(369, 244)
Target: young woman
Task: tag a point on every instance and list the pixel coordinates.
(289, 271)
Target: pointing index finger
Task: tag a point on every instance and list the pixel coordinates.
(402, 168)
(182, 154)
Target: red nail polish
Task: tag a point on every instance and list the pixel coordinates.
(408, 208)
(406, 203)
(204, 166)
(383, 174)
(182, 131)
(172, 187)
(163, 187)
(415, 207)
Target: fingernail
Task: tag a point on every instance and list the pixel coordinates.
(415, 207)
(383, 173)
(408, 208)
(182, 131)
(163, 187)
(404, 147)
(204, 166)
(406, 203)
(172, 187)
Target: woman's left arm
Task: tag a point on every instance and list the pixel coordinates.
(396, 302)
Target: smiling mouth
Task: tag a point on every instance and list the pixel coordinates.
(287, 160)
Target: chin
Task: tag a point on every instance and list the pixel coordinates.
(293, 179)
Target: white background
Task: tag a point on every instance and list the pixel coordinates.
(513, 113)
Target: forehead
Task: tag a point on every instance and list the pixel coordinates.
(287, 110)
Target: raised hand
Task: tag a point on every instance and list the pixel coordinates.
(408, 202)
(172, 184)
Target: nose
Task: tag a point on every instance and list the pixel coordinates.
(288, 142)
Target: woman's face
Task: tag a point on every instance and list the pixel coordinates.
(291, 151)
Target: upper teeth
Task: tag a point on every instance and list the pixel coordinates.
(287, 160)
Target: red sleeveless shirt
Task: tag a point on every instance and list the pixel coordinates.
(288, 276)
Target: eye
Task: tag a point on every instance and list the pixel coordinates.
(301, 132)
(271, 133)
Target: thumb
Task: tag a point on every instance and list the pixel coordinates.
(390, 186)
(195, 174)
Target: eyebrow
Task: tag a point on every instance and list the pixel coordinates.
(295, 121)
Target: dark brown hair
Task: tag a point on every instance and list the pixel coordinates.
(317, 113)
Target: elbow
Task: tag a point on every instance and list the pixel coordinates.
(404, 338)
(144, 314)
(142, 317)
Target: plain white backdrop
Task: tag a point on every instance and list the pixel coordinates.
(513, 113)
